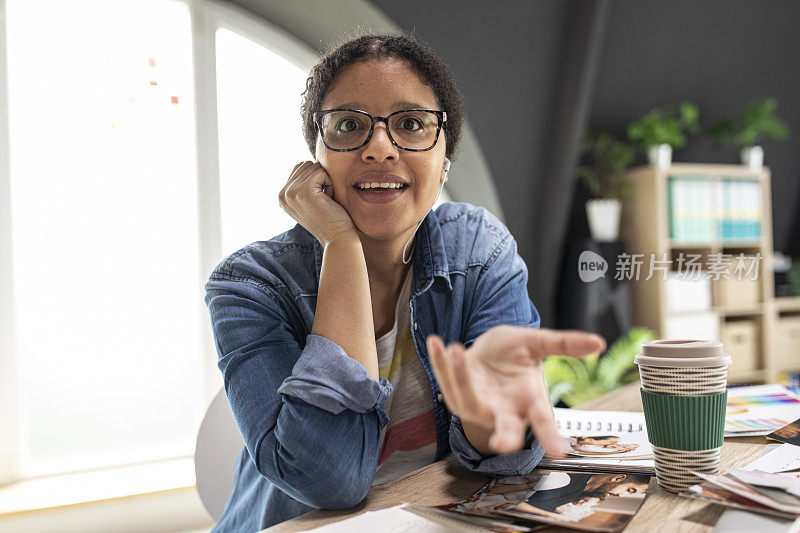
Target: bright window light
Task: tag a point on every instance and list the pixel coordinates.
(260, 137)
(104, 203)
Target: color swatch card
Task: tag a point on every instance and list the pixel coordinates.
(760, 410)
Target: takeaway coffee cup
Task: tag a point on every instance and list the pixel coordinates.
(684, 395)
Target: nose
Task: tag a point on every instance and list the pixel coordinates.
(379, 147)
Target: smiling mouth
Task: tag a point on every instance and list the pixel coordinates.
(379, 187)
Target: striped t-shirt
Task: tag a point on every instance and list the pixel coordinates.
(408, 441)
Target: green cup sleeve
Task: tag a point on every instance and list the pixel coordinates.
(685, 422)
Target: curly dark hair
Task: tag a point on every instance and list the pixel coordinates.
(422, 59)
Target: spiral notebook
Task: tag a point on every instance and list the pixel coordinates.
(602, 441)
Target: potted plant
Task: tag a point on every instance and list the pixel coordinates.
(662, 129)
(609, 158)
(577, 380)
(757, 122)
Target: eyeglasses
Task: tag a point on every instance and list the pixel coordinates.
(415, 130)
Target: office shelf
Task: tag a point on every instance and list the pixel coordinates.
(749, 376)
(748, 322)
(788, 303)
(739, 310)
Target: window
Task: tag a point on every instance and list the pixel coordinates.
(260, 137)
(105, 246)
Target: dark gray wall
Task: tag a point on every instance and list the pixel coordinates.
(718, 55)
(513, 59)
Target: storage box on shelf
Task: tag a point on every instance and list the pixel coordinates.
(740, 336)
(718, 217)
(736, 287)
(787, 341)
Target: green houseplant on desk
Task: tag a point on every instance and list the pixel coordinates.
(575, 381)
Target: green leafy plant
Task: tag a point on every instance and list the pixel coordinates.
(665, 125)
(794, 277)
(577, 380)
(758, 121)
(609, 159)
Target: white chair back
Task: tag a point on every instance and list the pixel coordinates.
(218, 446)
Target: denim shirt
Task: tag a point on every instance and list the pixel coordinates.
(310, 415)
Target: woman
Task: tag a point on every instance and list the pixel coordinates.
(600, 445)
(331, 336)
(579, 494)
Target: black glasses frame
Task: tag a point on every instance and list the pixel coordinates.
(318, 123)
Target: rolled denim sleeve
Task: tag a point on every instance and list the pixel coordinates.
(508, 464)
(326, 377)
(501, 297)
(309, 415)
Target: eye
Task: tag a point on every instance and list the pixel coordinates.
(413, 122)
(347, 125)
(410, 124)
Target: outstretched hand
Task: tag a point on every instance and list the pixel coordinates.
(498, 384)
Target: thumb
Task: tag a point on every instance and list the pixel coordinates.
(320, 180)
(326, 183)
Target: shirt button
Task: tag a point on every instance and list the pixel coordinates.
(439, 398)
(416, 326)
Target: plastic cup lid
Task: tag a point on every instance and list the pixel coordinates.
(682, 352)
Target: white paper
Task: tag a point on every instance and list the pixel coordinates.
(784, 458)
(392, 520)
(737, 521)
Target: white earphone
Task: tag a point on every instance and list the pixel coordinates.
(446, 167)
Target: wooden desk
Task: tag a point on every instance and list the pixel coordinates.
(447, 481)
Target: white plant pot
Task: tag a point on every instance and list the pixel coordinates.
(660, 155)
(752, 157)
(603, 215)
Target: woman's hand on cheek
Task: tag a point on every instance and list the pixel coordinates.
(308, 198)
(498, 385)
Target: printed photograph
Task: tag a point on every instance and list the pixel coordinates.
(599, 445)
(590, 502)
(710, 492)
(789, 433)
(499, 493)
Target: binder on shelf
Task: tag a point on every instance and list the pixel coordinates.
(708, 209)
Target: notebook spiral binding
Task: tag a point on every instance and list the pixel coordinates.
(598, 426)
